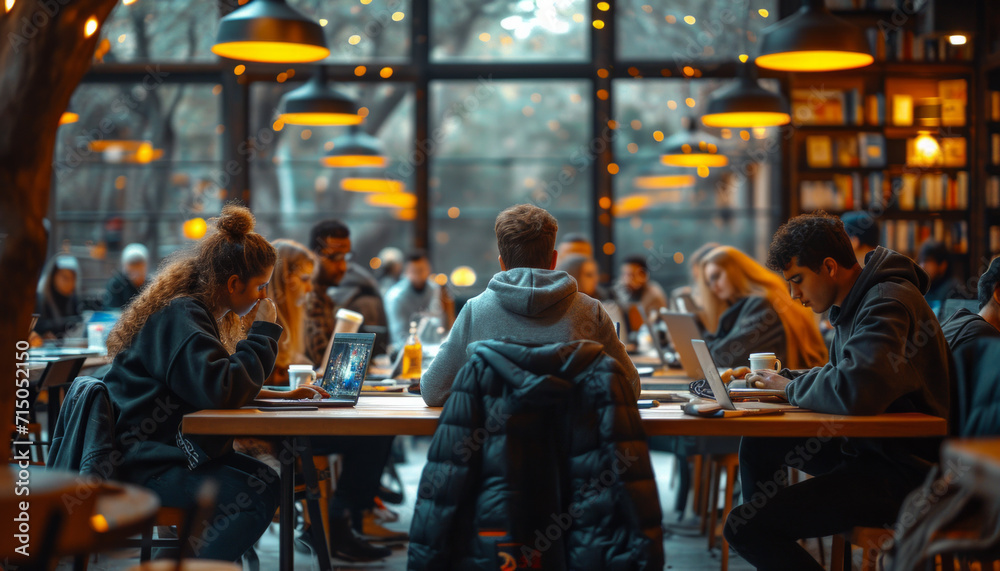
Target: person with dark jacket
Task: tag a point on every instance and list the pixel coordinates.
(539, 461)
(128, 282)
(179, 348)
(888, 355)
(965, 327)
(934, 258)
(58, 302)
(526, 301)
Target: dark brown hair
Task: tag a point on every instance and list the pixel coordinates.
(526, 237)
(810, 239)
(230, 248)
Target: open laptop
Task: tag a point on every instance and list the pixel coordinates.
(683, 328)
(719, 388)
(350, 355)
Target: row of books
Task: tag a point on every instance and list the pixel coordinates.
(993, 192)
(819, 106)
(932, 191)
(994, 240)
(995, 149)
(890, 43)
(854, 150)
(908, 192)
(906, 236)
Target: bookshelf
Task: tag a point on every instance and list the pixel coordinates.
(865, 139)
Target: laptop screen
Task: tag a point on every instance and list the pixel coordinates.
(712, 374)
(348, 364)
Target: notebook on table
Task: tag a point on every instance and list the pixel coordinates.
(719, 388)
(344, 374)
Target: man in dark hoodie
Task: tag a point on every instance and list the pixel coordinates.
(527, 301)
(888, 355)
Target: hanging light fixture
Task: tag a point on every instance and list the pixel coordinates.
(653, 178)
(316, 103)
(689, 148)
(355, 149)
(269, 31)
(745, 105)
(380, 186)
(813, 39)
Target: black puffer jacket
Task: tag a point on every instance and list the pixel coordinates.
(539, 461)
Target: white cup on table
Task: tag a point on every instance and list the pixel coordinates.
(299, 375)
(766, 361)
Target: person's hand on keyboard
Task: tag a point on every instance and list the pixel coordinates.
(306, 392)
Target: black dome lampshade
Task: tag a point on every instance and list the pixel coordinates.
(745, 105)
(355, 149)
(813, 39)
(316, 103)
(270, 31)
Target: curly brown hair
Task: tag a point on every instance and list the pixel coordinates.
(231, 247)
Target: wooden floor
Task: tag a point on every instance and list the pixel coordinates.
(686, 550)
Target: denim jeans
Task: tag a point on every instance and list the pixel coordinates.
(248, 496)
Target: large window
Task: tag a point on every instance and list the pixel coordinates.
(496, 106)
(499, 143)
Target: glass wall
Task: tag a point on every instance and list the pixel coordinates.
(156, 142)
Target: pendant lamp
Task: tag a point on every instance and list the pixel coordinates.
(689, 148)
(813, 39)
(270, 31)
(355, 149)
(316, 103)
(652, 178)
(745, 105)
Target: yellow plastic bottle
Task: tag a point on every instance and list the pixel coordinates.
(412, 355)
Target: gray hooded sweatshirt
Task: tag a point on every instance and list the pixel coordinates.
(525, 305)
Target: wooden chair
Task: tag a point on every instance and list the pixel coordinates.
(728, 463)
(869, 539)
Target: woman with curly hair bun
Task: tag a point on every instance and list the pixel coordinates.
(202, 335)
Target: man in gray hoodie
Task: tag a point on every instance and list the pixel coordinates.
(888, 355)
(527, 302)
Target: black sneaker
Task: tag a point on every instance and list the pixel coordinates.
(347, 546)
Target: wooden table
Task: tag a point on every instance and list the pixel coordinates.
(95, 515)
(377, 416)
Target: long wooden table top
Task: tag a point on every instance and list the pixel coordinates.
(393, 416)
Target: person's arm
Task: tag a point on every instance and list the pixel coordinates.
(873, 371)
(435, 384)
(614, 347)
(202, 372)
(757, 329)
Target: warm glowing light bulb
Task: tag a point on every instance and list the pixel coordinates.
(927, 150)
(90, 27)
(195, 228)
(354, 40)
(763, 13)
(689, 20)
(957, 39)
(744, 58)
(463, 276)
(9, 4)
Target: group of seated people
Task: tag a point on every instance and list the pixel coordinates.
(224, 318)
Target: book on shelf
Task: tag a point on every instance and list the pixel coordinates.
(953, 151)
(954, 97)
(818, 107)
(993, 192)
(902, 110)
(875, 109)
(994, 240)
(894, 43)
(994, 105)
(995, 149)
(871, 150)
(819, 151)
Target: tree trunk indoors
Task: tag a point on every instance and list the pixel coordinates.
(43, 54)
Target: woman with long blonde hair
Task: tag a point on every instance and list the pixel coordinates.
(292, 280)
(200, 336)
(749, 310)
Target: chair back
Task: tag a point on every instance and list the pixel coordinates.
(84, 437)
